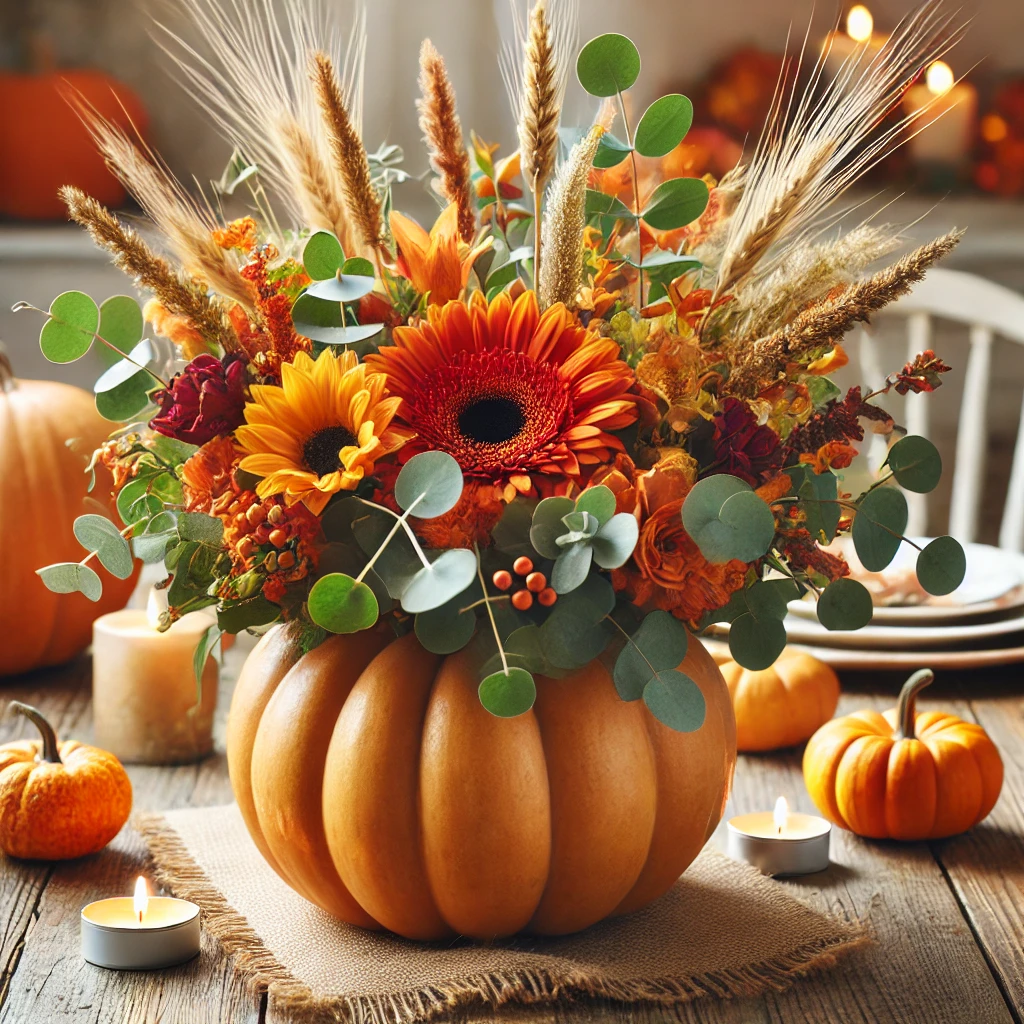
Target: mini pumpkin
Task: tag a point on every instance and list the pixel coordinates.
(781, 706)
(59, 800)
(902, 775)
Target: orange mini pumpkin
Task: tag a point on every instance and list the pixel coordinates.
(901, 775)
(373, 781)
(781, 706)
(59, 800)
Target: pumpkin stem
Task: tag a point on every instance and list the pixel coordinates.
(906, 709)
(6, 371)
(50, 753)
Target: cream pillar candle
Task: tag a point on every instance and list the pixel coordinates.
(853, 50)
(947, 109)
(144, 689)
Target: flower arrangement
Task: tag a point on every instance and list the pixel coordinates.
(557, 429)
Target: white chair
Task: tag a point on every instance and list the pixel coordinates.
(989, 310)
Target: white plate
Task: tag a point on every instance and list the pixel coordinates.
(994, 583)
(840, 658)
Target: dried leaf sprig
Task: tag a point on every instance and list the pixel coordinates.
(439, 122)
(831, 319)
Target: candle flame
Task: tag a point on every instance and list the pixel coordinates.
(781, 814)
(939, 78)
(141, 899)
(859, 24)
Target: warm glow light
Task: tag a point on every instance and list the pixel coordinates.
(939, 78)
(994, 128)
(781, 814)
(859, 24)
(141, 900)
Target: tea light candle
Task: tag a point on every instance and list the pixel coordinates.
(859, 45)
(145, 708)
(780, 842)
(947, 109)
(140, 932)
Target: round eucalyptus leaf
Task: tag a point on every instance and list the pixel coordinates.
(845, 604)
(508, 695)
(608, 64)
(675, 700)
(447, 629)
(547, 525)
(752, 522)
(676, 203)
(660, 643)
(341, 335)
(322, 256)
(96, 533)
(915, 463)
(664, 125)
(766, 601)
(357, 265)
(578, 526)
(68, 334)
(342, 605)
(727, 520)
(756, 643)
(429, 485)
(941, 566)
(121, 324)
(706, 498)
(615, 541)
(124, 369)
(599, 501)
(571, 567)
(71, 578)
(349, 288)
(124, 401)
(448, 576)
(878, 527)
(309, 312)
(611, 151)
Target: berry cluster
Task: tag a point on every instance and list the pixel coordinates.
(536, 583)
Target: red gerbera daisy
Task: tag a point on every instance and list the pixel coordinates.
(520, 398)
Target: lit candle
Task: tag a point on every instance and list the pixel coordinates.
(140, 932)
(146, 706)
(846, 52)
(947, 110)
(780, 842)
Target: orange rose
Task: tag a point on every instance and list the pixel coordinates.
(833, 455)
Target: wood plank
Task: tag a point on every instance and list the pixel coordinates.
(51, 982)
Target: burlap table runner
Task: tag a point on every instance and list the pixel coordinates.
(723, 930)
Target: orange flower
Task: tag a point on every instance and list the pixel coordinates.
(241, 234)
(175, 328)
(667, 570)
(209, 475)
(437, 264)
(831, 361)
(833, 455)
(774, 489)
(523, 400)
(469, 523)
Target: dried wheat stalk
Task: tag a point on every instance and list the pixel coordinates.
(830, 320)
(562, 269)
(442, 131)
(136, 259)
(349, 153)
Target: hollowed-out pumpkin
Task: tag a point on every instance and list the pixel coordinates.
(373, 781)
(47, 433)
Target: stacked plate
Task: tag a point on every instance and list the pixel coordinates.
(980, 624)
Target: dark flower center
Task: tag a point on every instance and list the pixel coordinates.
(491, 420)
(321, 450)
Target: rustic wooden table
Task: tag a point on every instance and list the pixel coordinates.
(948, 917)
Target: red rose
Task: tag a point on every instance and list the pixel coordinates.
(204, 401)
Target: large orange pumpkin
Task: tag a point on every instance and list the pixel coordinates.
(902, 775)
(47, 433)
(374, 782)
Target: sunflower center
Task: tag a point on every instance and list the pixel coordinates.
(492, 420)
(321, 450)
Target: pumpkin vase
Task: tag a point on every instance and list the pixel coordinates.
(378, 787)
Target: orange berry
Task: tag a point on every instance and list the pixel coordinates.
(523, 565)
(522, 600)
(278, 537)
(547, 597)
(502, 579)
(536, 582)
(286, 560)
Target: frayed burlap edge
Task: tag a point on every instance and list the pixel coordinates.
(261, 972)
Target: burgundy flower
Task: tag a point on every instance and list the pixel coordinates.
(204, 401)
(922, 374)
(743, 448)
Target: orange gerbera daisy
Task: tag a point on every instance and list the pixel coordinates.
(320, 432)
(522, 399)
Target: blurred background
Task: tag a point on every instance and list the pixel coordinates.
(966, 170)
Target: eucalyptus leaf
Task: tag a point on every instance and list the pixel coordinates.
(68, 334)
(452, 572)
(878, 527)
(447, 628)
(578, 526)
(358, 265)
(676, 203)
(99, 534)
(599, 501)
(756, 643)
(71, 578)
(608, 64)
(660, 259)
(663, 126)
(611, 151)
(819, 493)
(248, 614)
(124, 369)
(124, 401)
(429, 485)
(342, 604)
(615, 541)
(600, 205)
(727, 520)
(200, 527)
(676, 700)
(341, 335)
(121, 324)
(659, 644)
(571, 567)
(209, 644)
(346, 288)
(508, 694)
(845, 604)
(915, 463)
(547, 525)
(322, 255)
(941, 566)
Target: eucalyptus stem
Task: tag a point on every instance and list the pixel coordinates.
(400, 522)
(484, 600)
(636, 199)
(630, 640)
(490, 613)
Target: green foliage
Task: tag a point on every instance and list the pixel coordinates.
(429, 485)
(576, 631)
(446, 577)
(676, 203)
(323, 320)
(915, 463)
(819, 493)
(611, 151)
(209, 644)
(844, 604)
(359, 266)
(878, 527)
(941, 566)
(341, 288)
(96, 533)
(608, 64)
(756, 643)
(248, 614)
(663, 126)
(675, 700)
(68, 334)
(727, 520)
(821, 391)
(71, 578)
(600, 205)
(341, 604)
(122, 391)
(449, 627)
(658, 645)
(121, 324)
(322, 256)
(508, 694)
(200, 527)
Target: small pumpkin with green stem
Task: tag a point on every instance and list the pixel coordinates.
(58, 800)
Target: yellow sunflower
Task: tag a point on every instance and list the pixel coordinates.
(321, 431)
